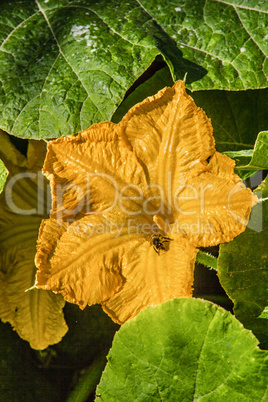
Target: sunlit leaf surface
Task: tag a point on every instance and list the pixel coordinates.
(227, 38)
(65, 65)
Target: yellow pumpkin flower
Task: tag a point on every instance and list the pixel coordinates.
(36, 315)
(132, 202)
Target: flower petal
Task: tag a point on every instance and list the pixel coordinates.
(215, 206)
(88, 171)
(151, 279)
(170, 135)
(148, 167)
(36, 315)
(82, 260)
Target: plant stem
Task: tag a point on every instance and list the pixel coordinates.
(206, 259)
(89, 379)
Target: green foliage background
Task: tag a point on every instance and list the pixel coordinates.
(65, 65)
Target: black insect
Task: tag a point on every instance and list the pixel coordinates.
(160, 242)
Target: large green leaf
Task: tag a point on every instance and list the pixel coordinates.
(243, 266)
(249, 162)
(237, 117)
(227, 38)
(184, 350)
(67, 64)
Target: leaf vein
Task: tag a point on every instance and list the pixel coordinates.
(61, 52)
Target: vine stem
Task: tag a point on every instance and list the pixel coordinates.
(206, 259)
(89, 379)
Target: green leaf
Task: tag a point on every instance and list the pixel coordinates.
(259, 328)
(205, 353)
(243, 264)
(264, 314)
(249, 162)
(227, 38)
(65, 65)
(3, 175)
(237, 117)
